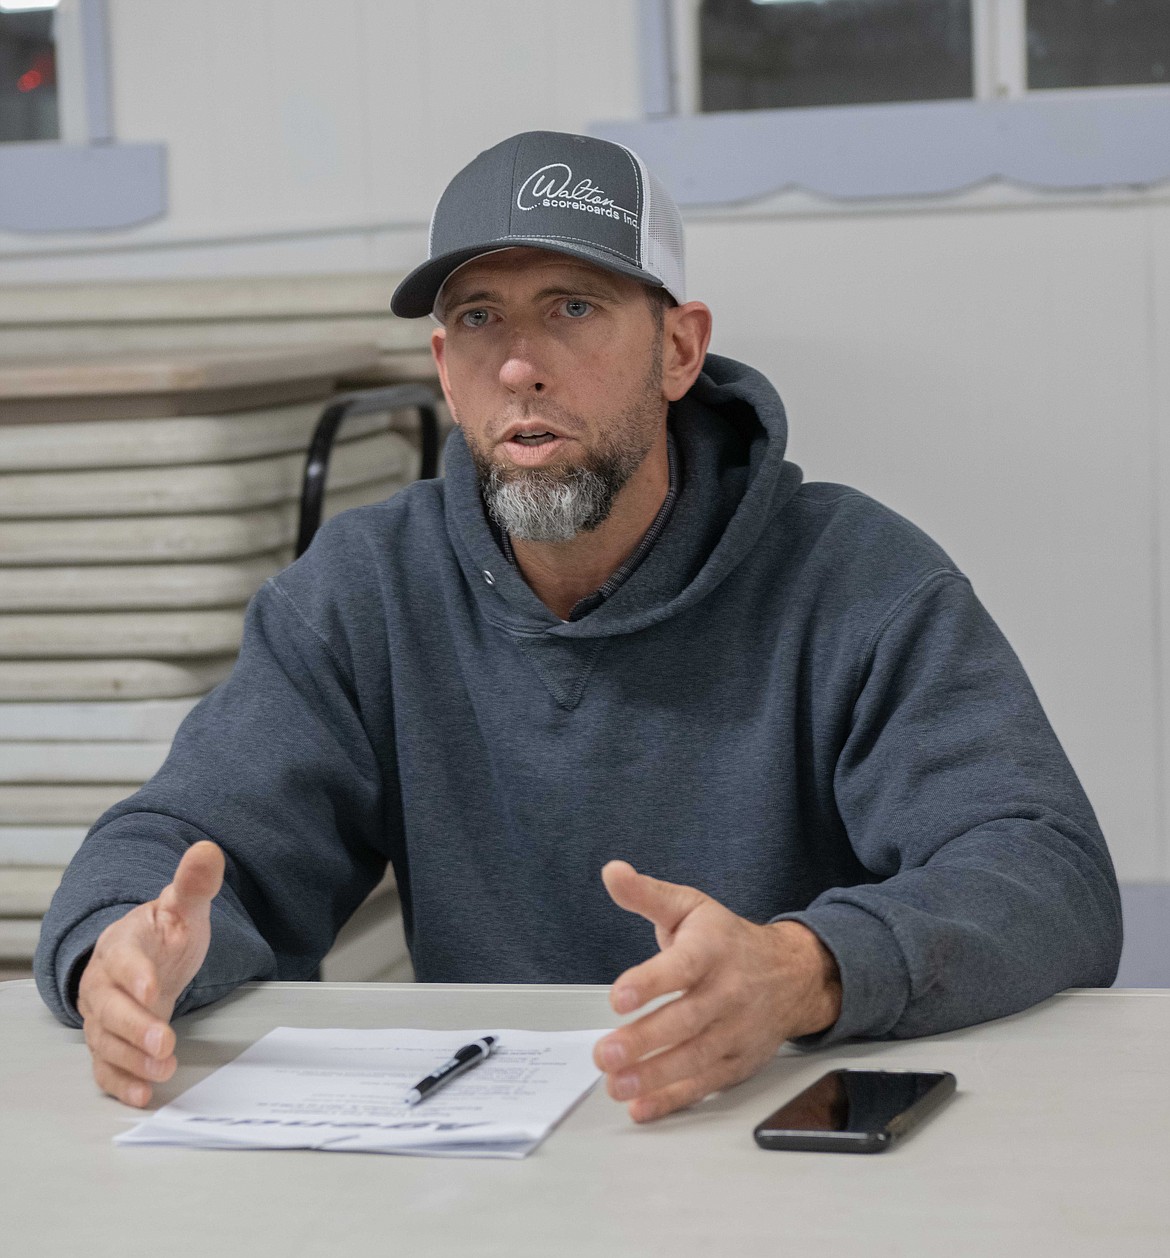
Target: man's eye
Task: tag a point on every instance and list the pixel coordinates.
(474, 318)
(576, 309)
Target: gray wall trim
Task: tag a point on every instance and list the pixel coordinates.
(655, 44)
(1087, 140)
(96, 52)
(68, 187)
(1145, 959)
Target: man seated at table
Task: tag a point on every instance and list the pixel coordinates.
(619, 629)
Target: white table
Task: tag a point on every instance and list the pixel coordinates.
(1056, 1144)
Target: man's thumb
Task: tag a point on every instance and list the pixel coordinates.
(663, 903)
(197, 880)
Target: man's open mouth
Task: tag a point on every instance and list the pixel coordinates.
(534, 438)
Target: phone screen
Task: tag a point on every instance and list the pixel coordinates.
(863, 1104)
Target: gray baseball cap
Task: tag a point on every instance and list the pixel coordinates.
(571, 194)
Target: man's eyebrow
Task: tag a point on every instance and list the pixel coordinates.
(461, 299)
(585, 287)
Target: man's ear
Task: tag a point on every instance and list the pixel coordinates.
(686, 333)
(439, 354)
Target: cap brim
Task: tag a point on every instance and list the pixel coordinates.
(415, 296)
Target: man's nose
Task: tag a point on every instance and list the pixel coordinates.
(522, 370)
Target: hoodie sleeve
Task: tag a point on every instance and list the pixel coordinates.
(992, 885)
(275, 766)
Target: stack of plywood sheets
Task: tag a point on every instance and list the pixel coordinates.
(143, 500)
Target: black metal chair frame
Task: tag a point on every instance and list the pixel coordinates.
(394, 397)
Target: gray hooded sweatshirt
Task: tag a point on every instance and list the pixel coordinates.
(795, 704)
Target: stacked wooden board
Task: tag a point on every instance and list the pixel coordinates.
(143, 500)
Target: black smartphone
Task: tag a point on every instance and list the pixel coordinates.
(855, 1111)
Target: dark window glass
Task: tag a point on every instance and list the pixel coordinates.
(28, 77)
(1098, 43)
(777, 54)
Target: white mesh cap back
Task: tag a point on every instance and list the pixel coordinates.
(664, 247)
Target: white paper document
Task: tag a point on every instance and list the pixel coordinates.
(299, 1088)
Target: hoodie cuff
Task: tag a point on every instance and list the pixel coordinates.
(875, 983)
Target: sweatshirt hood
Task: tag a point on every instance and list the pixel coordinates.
(731, 432)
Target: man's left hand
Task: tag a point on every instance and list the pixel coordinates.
(745, 990)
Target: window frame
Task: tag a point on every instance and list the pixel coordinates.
(673, 131)
(85, 180)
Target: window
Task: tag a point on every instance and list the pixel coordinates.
(784, 54)
(28, 72)
(779, 54)
(926, 97)
(1097, 43)
(61, 168)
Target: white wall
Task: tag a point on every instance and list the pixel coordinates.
(1000, 374)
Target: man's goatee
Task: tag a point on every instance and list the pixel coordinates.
(535, 505)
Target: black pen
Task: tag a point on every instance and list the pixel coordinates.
(466, 1057)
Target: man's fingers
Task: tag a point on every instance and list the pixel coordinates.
(724, 1073)
(674, 1023)
(680, 968)
(129, 1044)
(124, 1087)
(123, 1016)
(114, 1051)
(679, 1096)
(693, 1059)
(663, 903)
(197, 880)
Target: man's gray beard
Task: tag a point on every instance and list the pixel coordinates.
(554, 505)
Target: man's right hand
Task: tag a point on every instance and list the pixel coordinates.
(139, 967)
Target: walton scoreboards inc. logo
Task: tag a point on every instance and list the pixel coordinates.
(552, 188)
